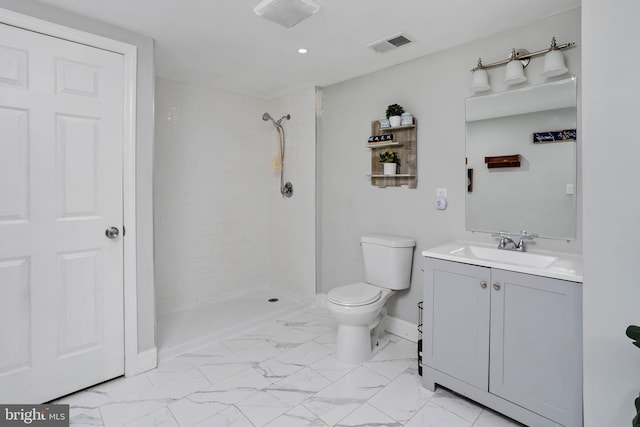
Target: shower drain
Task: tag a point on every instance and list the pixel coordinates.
(273, 300)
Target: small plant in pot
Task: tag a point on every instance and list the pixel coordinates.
(633, 332)
(390, 162)
(394, 111)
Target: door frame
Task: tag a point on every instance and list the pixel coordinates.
(134, 363)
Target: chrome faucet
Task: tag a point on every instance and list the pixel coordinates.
(505, 241)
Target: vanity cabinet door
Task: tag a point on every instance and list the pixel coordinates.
(536, 343)
(455, 337)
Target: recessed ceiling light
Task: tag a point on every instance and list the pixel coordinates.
(302, 50)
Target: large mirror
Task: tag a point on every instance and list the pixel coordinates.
(521, 161)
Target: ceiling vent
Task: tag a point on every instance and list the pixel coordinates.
(286, 12)
(391, 42)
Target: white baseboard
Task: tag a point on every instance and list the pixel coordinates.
(145, 361)
(401, 328)
(321, 300)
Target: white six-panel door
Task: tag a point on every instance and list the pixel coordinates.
(61, 277)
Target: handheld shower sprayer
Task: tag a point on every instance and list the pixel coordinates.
(267, 116)
(285, 189)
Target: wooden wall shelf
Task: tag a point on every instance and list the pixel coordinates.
(405, 145)
(511, 161)
(383, 144)
(398, 175)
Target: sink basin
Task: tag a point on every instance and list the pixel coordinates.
(510, 257)
(557, 265)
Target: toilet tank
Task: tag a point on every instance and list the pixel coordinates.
(387, 260)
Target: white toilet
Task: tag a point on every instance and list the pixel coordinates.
(359, 307)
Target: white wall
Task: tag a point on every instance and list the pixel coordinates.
(434, 89)
(611, 210)
(292, 252)
(222, 227)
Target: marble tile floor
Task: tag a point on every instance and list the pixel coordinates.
(179, 331)
(279, 374)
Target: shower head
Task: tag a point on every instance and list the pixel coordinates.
(288, 117)
(267, 116)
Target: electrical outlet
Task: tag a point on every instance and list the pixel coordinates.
(441, 192)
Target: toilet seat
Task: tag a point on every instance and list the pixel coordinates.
(354, 295)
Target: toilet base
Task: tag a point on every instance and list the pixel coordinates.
(377, 328)
(353, 343)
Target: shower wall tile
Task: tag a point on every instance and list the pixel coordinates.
(210, 196)
(221, 226)
(293, 256)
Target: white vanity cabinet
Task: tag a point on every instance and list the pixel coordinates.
(509, 340)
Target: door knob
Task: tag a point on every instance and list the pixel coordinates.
(483, 284)
(112, 232)
(496, 286)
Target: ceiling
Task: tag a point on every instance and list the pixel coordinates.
(225, 45)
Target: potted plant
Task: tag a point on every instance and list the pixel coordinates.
(633, 332)
(390, 162)
(393, 114)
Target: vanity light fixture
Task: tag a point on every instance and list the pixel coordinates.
(517, 61)
(554, 61)
(480, 78)
(514, 73)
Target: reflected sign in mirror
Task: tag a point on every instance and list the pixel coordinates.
(521, 160)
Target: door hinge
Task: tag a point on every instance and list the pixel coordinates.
(124, 231)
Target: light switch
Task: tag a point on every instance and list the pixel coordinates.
(570, 189)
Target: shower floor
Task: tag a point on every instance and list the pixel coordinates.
(183, 330)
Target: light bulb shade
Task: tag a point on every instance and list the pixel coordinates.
(554, 64)
(480, 81)
(514, 73)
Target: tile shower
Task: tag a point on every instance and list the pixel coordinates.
(224, 235)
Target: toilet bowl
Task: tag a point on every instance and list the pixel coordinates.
(359, 308)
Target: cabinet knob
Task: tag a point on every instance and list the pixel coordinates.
(496, 286)
(483, 284)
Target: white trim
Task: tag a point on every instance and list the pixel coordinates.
(144, 361)
(401, 328)
(134, 362)
(38, 25)
(129, 217)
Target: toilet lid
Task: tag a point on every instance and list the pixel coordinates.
(355, 294)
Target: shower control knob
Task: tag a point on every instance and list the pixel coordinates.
(287, 190)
